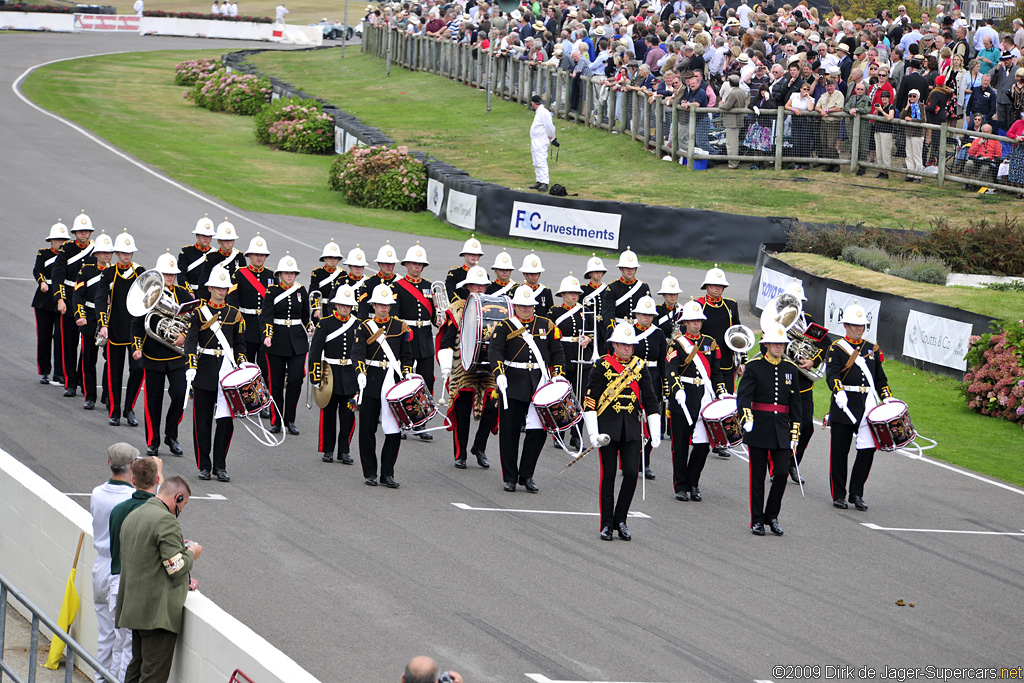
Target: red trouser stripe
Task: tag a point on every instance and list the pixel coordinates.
(149, 420)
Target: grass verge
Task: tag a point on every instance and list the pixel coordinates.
(132, 101)
(449, 121)
(999, 305)
(986, 445)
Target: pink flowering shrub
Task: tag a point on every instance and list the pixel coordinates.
(381, 177)
(233, 92)
(187, 72)
(995, 384)
(296, 125)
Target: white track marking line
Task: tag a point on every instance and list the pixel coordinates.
(212, 496)
(944, 531)
(17, 91)
(541, 678)
(464, 506)
(18, 279)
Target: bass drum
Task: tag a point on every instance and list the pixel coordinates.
(483, 312)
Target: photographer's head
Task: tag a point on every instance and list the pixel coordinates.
(535, 102)
(423, 669)
(175, 493)
(119, 458)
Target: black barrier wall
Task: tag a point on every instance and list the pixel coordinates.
(893, 311)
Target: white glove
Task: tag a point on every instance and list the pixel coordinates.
(748, 426)
(590, 420)
(792, 446)
(681, 397)
(757, 111)
(890, 399)
(361, 381)
(842, 400)
(654, 424)
(409, 375)
(502, 382)
(190, 375)
(444, 359)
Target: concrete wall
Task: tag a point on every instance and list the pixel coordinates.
(39, 529)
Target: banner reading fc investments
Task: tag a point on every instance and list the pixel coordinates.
(570, 226)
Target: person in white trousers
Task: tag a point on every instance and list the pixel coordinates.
(542, 132)
(104, 497)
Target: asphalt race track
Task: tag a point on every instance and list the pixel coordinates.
(352, 581)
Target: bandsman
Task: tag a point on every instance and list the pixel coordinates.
(621, 296)
(90, 277)
(416, 310)
(335, 343)
(524, 353)
(387, 259)
(770, 408)
(650, 346)
(694, 381)
(593, 291)
(576, 345)
(192, 257)
(326, 279)
(386, 346)
(161, 363)
(471, 252)
(618, 396)
(853, 370)
(806, 386)
(283, 322)
(65, 275)
(214, 340)
(45, 305)
(226, 256)
(531, 270)
(502, 284)
(248, 291)
(469, 393)
(669, 311)
(116, 327)
(722, 313)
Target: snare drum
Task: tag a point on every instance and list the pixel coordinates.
(482, 313)
(556, 406)
(411, 403)
(891, 426)
(244, 390)
(721, 422)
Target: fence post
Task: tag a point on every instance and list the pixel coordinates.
(691, 137)
(659, 125)
(634, 122)
(674, 133)
(855, 144)
(780, 136)
(941, 178)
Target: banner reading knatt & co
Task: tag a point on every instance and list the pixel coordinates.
(570, 226)
(937, 340)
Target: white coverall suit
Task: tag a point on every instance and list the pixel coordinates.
(109, 651)
(542, 132)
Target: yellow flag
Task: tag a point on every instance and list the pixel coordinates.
(68, 612)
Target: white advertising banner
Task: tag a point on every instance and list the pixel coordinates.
(937, 340)
(772, 284)
(108, 23)
(836, 301)
(339, 145)
(569, 226)
(435, 196)
(461, 209)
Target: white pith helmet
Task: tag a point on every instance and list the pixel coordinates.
(569, 284)
(345, 296)
(472, 246)
(692, 310)
(623, 334)
(382, 294)
(166, 264)
(670, 285)
(124, 243)
(58, 231)
(775, 334)
(595, 264)
(331, 250)
(628, 259)
(103, 244)
(204, 226)
(503, 261)
(219, 277)
(386, 254)
(288, 264)
(82, 222)
(226, 231)
(524, 296)
(257, 245)
(531, 264)
(854, 314)
(356, 257)
(416, 254)
(475, 276)
(715, 276)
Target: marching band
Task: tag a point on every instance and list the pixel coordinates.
(220, 328)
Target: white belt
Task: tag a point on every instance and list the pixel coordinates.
(252, 311)
(860, 388)
(70, 283)
(570, 340)
(696, 381)
(212, 352)
(417, 323)
(90, 304)
(652, 363)
(338, 361)
(287, 321)
(378, 363)
(524, 366)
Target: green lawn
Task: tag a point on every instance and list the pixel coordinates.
(449, 121)
(998, 305)
(132, 101)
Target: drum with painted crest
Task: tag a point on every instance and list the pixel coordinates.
(482, 313)
(891, 426)
(411, 403)
(722, 423)
(556, 406)
(245, 390)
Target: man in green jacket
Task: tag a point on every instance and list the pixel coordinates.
(155, 565)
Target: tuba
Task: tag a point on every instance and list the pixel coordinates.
(740, 339)
(162, 322)
(787, 310)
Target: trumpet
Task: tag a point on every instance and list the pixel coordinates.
(316, 302)
(787, 310)
(439, 293)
